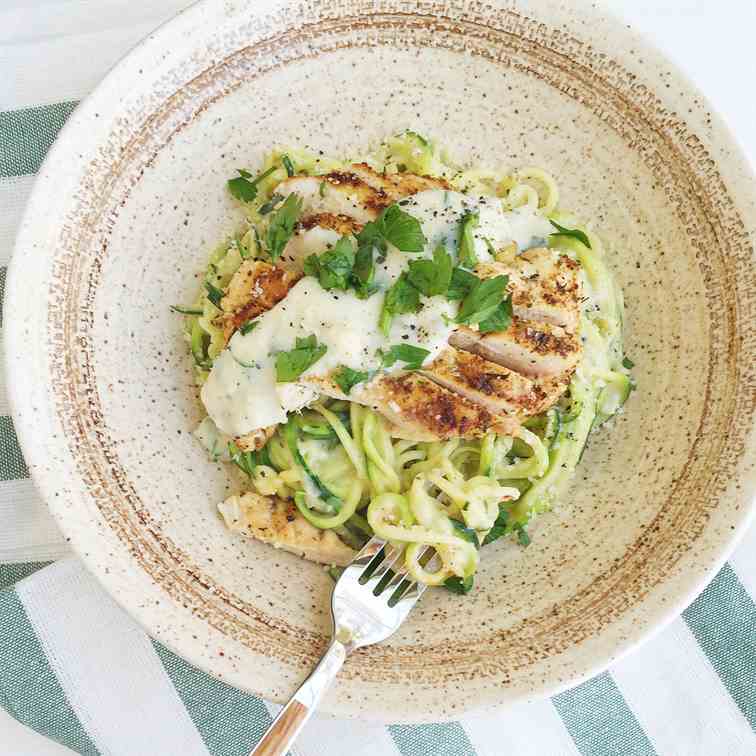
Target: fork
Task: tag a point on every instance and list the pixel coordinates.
(370, 601)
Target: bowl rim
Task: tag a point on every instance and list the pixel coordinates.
(26, 418)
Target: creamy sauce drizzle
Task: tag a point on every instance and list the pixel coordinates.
(241, 393)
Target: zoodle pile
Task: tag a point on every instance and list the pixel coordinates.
(341, 463)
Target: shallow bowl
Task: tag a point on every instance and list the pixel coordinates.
(132, 198)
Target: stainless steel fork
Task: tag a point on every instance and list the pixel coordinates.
(371, 599)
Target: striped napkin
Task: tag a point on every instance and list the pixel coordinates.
(75, 667)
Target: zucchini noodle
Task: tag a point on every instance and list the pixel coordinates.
(339, 462)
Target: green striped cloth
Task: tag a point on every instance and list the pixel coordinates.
(74, 667)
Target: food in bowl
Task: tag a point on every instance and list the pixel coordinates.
(397, 346)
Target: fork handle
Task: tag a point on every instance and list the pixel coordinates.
(291, 719)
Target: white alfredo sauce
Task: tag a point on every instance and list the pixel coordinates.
(241, 393)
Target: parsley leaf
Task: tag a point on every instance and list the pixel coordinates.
(347, 379)
(214, 294)
(462, 282)
(401, 229)
(372, 235)
(467, 534)
(572, 233)
(499, 319)
(248, 327)
(282, 225)
(432, 277)
(499, 526)
(290, 365)
(242, 188)
(412, 356)
(401, 298)
(334, 267)
(466, 251)
(363, 273)
(483, 300)
(459, 585)
(185, 310)
(270, 205)
(522, 535)
(627, 363)
(286, 160)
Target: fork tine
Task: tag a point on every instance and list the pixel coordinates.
(392, 555)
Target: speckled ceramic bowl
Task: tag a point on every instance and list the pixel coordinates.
(131, 199)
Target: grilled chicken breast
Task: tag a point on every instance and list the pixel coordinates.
(483, 381)
(337, 193)
(254, 288)
(544, 284)
(422, 410)
(495, 387)
(279, 523)
(533, 349)
(396, 185)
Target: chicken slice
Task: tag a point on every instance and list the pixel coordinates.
(337, 193)
(422, 410)
(279, 523)
(533, 349)
(254, 288)
(397, 185)
(306, 242)
(255, 440)
(497, 388)
(544, 284)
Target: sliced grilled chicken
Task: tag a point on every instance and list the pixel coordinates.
(497, 388)
(422, 410)
(337, 193)
(533, 349)
(341, 224)
(254, 288)
(307, 241)
(341, 203)
(397, 185)
(255, 440)
(545, 286)
(280, 524)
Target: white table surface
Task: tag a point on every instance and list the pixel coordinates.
(708, 39)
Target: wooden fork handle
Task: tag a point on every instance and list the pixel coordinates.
(288, 724)
(283, 731)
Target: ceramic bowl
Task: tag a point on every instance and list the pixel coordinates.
(132, 198)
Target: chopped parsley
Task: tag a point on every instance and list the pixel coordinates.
(500, 319)
(395, 227)
(248, 327)
(288, 165)
(522, 535)
(363, 273)
(185, 310)
(282, 225)
(333, 268)
(214, 294)
(459, 585)
(243, 187)
(271, 204)
(571, 233)
(466, 251)
(627, 363)
(465, 533)
(412, 356)
(290, 365)
(401, 298)
(462, 282)
(347, 378)
(432, 277)
(499, 526)
(483, 300)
